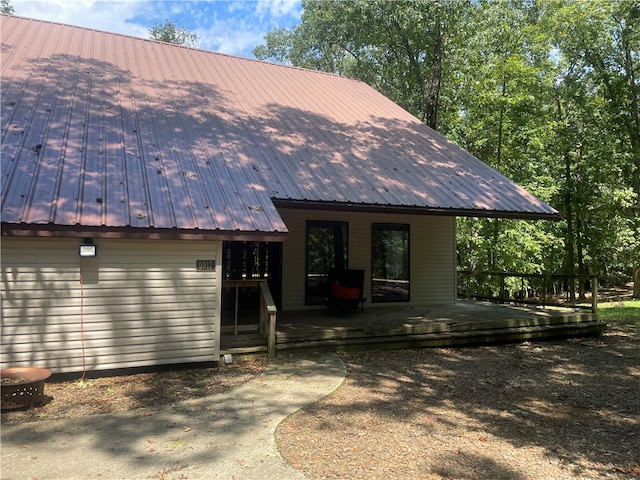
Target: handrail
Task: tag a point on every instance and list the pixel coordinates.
(533, 288)
(268, 312)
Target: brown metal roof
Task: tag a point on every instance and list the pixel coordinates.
(105, 130)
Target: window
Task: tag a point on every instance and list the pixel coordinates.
(390, 262)
(327, 244)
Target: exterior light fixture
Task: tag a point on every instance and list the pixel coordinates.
(87, 248)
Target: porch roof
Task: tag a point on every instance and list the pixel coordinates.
(102, 130)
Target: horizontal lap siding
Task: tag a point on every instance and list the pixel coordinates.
(141, 303)
(433, 260)
(432, 255)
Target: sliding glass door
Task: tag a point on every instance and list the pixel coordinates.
(327, 246)
(390, 262)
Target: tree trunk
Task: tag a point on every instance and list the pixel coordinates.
(569, 244)
(634, 127)
(634, 135)
(570, 239)
(436, 75)
(582, 269)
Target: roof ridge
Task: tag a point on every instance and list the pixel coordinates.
(197, 49)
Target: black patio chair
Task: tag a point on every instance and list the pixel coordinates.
(346, 291)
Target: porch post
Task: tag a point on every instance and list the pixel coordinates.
(271, 338)
(270, 311)
(594, 295)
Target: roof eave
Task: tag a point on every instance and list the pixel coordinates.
(80, 231)
(415, 210)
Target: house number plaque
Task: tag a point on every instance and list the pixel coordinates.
(205, 264)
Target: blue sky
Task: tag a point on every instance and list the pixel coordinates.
(233, 27)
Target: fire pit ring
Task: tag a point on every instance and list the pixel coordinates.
(22, 386)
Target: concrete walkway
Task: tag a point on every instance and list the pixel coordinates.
(224, 436)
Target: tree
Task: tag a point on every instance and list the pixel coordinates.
(5, 7)
(501, 114)
(278, 48)
(171, 33)
(400, 48)
(545, 91)
(600, 46)
(542, 99)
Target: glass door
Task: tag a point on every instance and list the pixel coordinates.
(326, 252)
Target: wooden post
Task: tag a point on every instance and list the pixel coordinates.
(235, 317)
(263, 314)
(270, 311)
(594, 295)
(271, 338)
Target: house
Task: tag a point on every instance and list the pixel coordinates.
(138, 177)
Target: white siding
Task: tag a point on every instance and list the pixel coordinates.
(137, 303)
(432, 255)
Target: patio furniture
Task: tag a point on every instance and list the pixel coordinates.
(346, 289)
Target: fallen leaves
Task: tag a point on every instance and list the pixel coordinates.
(530, 411)
(143, 392)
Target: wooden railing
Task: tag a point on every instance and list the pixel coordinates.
(268, 310)
(268, 313)
(577, 291)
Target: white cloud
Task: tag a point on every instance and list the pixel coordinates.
(236, 38)
(233, 27)
(236, 27)
(100, 15)
(279, 8)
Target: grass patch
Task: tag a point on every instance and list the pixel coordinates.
(627, 313)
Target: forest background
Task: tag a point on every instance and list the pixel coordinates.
(544, 91)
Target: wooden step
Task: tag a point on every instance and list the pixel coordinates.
(244, 350)
(346, 333)
(445, 339)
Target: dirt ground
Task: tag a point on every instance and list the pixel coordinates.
(546, 410)
(145, 391)
(565, 409)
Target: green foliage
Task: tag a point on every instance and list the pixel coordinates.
(171, 33)
(598, 131)
(547, 92)
(505, 245)
(278, 48)
(401, 47)
(6, 7)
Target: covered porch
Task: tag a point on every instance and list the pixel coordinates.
(466, 322)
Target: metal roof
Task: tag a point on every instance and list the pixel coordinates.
(106, 130)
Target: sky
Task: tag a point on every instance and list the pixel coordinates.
(233, 27)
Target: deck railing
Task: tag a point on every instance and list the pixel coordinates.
(268, 312)
(267, 309)
(577, 291)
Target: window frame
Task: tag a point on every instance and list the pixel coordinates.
(406, 254)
